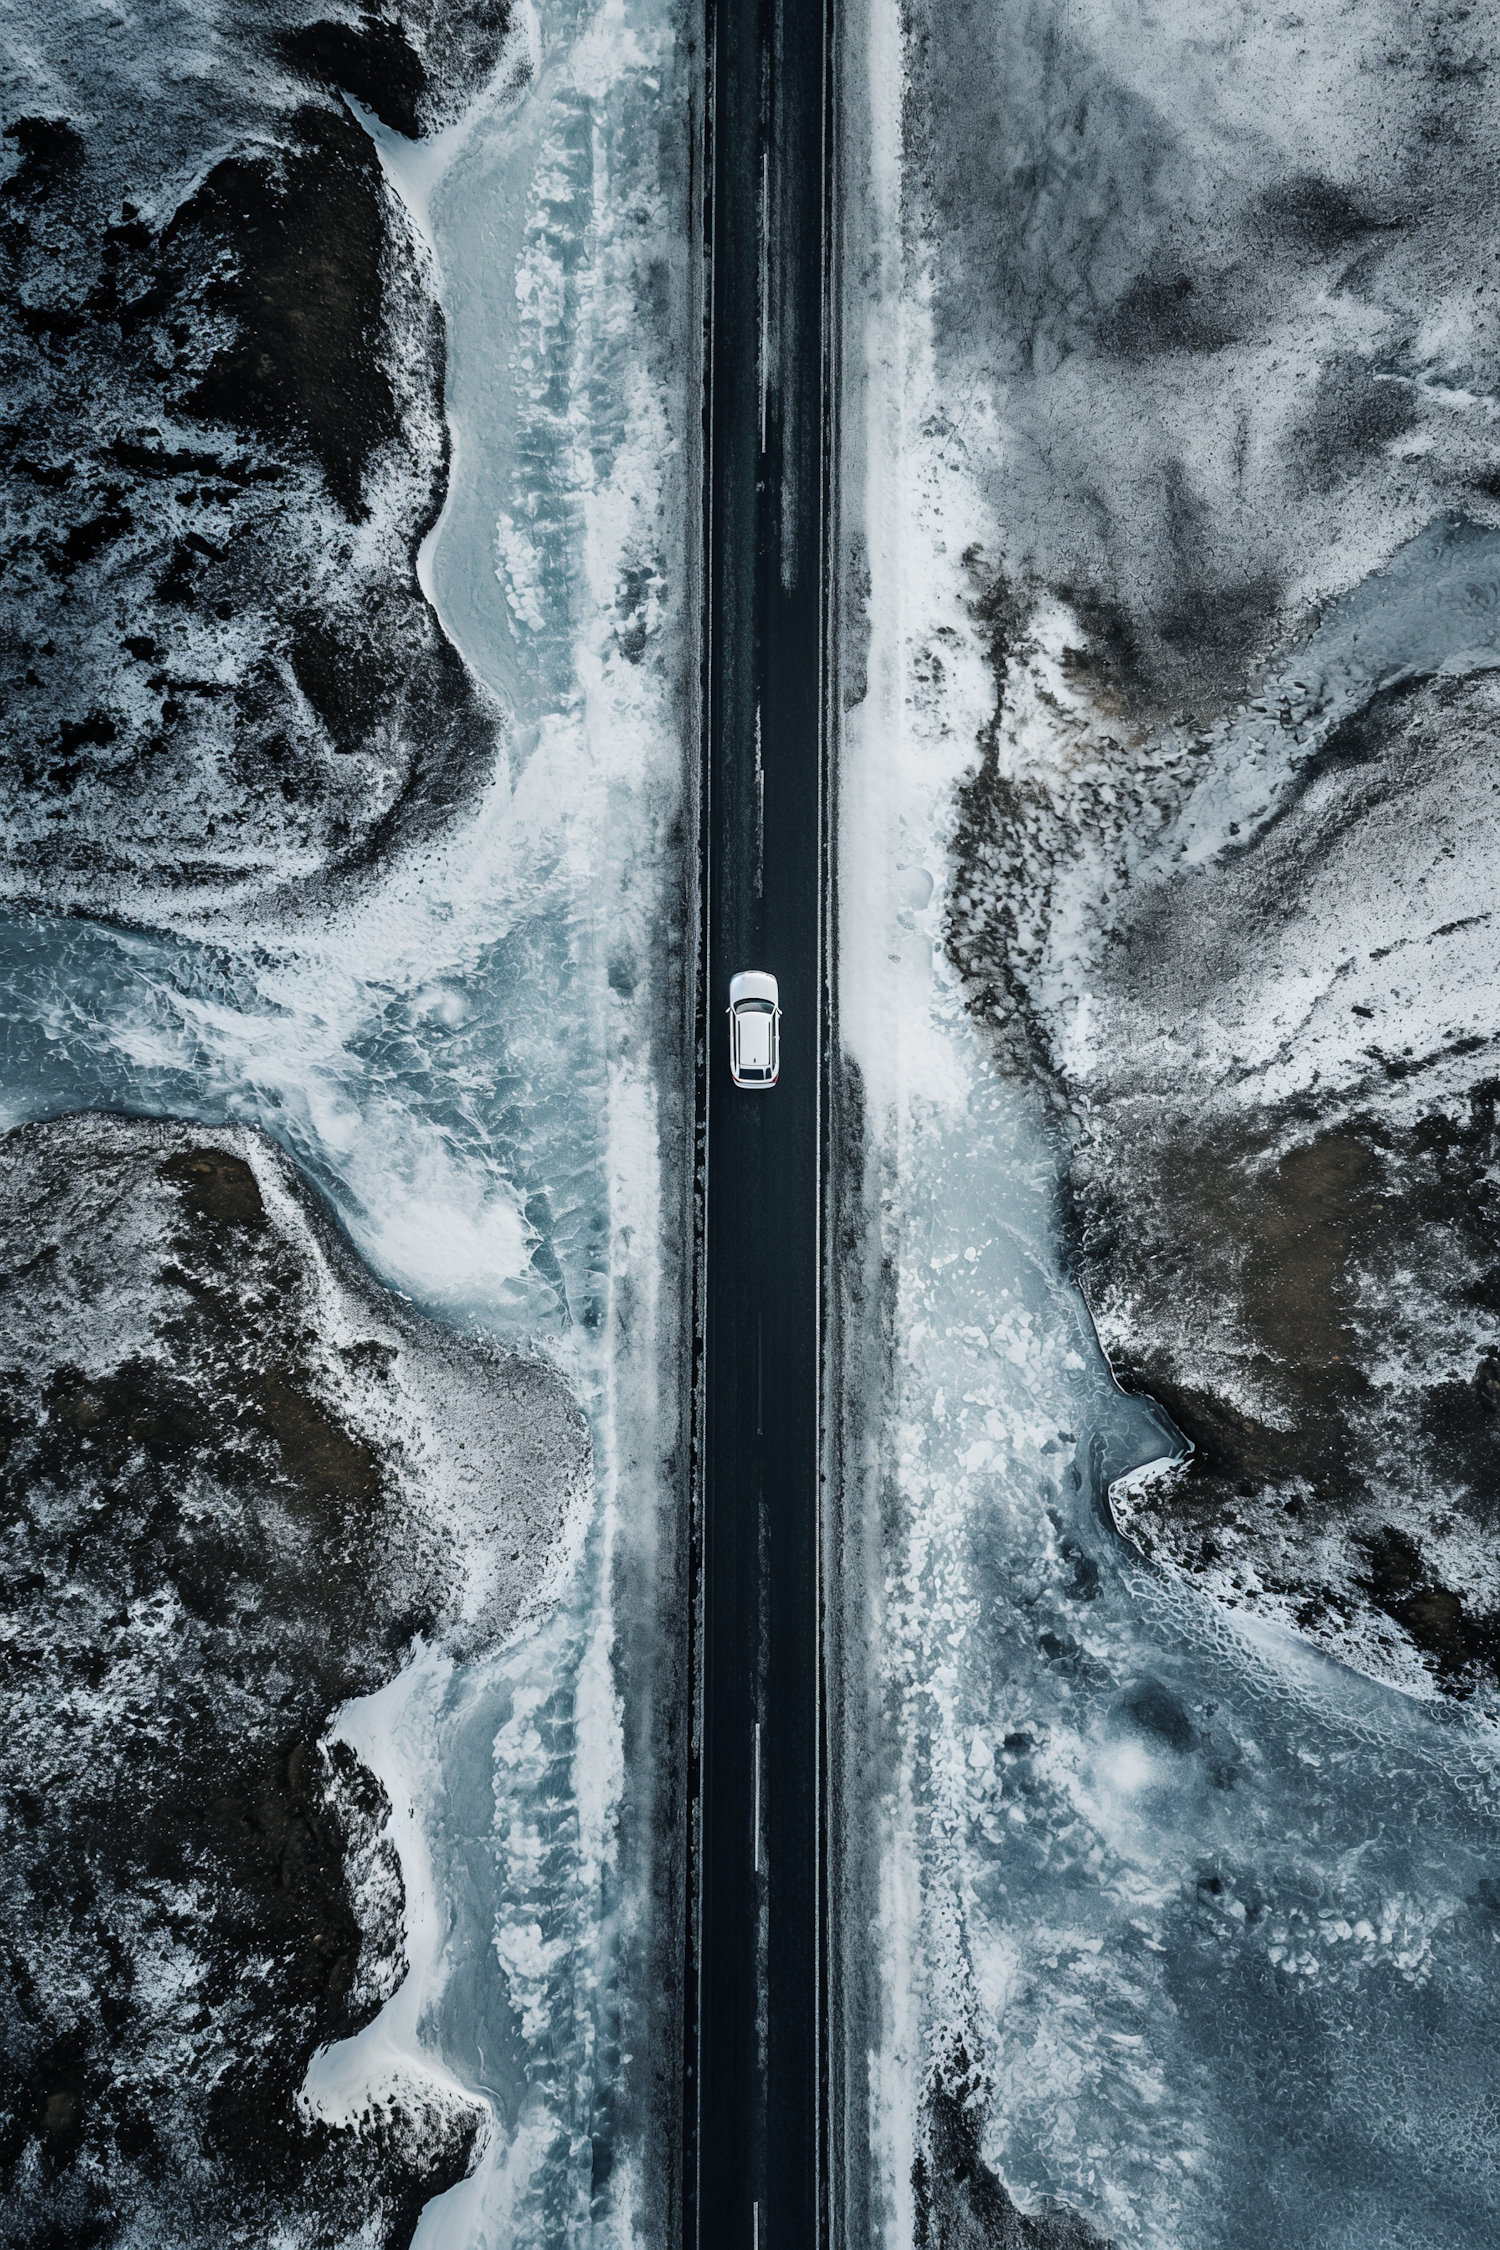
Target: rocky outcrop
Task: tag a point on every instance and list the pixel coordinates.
(1214, 323)
(1292, 1217)
(961, 2204)
(224, 440)
(1213, 309)
(1259, 969)
(236, 1479)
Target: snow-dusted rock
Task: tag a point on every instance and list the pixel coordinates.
(222, 368)
(1277, 1035)
(1217, 345)
(237, 1478)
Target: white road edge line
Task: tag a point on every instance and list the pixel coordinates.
(764, 285)
(756, 1831)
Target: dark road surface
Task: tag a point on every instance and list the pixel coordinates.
(755, 2138)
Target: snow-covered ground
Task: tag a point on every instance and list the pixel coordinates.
(1167, 1918)
(470, 1040)
(239, 1477)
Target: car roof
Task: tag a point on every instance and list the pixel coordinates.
(752, 984)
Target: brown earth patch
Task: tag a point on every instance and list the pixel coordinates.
(1281, 1309)
(960, 2203)
(208, 1548)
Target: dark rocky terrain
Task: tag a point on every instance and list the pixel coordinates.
(1221, 305)
(960, 2204)
(1277, 1068)
(1300, 1255)
(1215, 308)
(236, 1478)
(222, 444)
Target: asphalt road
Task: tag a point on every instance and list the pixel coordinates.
(755, 2075)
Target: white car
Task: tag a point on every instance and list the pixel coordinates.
(754, 1029)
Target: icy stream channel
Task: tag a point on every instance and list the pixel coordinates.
(458, 1053)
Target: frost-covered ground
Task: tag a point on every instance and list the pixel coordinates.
(1229, 411)
(224, 440)
(238, 1478)
(364, 423)
(1166, 958)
